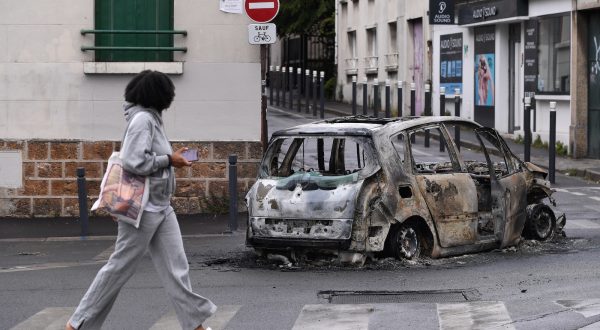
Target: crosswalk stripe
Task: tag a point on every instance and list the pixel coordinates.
(576, 193)
(595, 198)
(593, 326)
(474, 315)
(585, 307)
(218, 321)
(334, 317)
(51, 318)
(104, 255)
(581, 224)
(561, 190)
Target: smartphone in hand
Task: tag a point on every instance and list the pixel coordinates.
(191, 155)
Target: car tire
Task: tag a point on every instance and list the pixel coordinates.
(541, 222)
(406, 242)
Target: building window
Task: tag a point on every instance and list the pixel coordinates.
(554, 48)
(134, 15)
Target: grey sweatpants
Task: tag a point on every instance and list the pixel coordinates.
(159, 233)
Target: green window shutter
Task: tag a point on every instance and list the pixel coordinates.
(134, 15)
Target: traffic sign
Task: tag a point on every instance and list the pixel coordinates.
(261, 11)
(260, 34)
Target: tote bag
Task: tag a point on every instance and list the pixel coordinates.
(122, 194)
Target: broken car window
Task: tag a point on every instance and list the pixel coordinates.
(430, 159)
(320, 155)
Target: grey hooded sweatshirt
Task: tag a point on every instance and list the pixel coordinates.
(144, 152)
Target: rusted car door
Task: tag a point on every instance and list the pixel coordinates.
(508, 187)
(449, 193)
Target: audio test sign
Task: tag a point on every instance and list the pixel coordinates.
(441, 11)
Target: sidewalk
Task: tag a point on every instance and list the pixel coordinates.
(42, 228)
(582, 167)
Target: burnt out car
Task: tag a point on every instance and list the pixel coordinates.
(404, 186)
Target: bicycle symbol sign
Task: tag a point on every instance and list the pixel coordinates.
(259, 34)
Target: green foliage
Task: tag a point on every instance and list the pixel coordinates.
(519, 139)
(330, 85)
(537, 143)
(314, 17)
(561, 149)
(214, 204)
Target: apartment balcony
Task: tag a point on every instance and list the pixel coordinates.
(371, 64)
(391, 62)
(351, 66)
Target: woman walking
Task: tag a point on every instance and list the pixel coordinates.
(146, 151)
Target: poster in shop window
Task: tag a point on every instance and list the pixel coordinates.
(451, 63)
(531, 56)
(485, 75)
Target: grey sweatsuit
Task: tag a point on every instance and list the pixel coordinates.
(144, 152)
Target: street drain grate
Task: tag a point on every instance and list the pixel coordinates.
(382, 297)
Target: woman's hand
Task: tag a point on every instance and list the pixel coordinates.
(177, 159)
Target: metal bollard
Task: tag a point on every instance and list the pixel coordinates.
(412, 106)
(299, 82)
(552, 144)
(527, 130)
(427, 112)
(457, 114)
(315, 82)
(354, 95)
(270, 85)
(307, 90)
(322, 94)
(291, 87)
(277, 84)
(376, 98)
(388, 101)
(82, 195)
(233, 204)
(365, 96)
(400, 105)
(283, 85)
(442, 113)
(534, 110)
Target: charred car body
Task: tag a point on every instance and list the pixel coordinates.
(366, 185)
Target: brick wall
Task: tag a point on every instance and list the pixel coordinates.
(50, 176)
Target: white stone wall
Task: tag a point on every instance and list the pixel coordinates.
(45, 94)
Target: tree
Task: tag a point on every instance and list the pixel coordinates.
(306, 17)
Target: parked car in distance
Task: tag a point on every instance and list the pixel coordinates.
(403, 185)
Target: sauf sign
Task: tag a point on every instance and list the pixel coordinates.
(441, 11)
(261, 11)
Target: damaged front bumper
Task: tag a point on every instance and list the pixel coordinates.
(277, 232)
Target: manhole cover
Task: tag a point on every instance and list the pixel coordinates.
(428, 296)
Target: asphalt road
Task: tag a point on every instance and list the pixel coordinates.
(550, 285)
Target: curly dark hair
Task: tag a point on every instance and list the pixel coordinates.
(150, 89)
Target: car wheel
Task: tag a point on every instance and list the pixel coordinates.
(406, 242)
(540, 223)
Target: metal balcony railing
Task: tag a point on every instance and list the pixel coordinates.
(391, 62)
(371, 64)
(134, 48)
(351, 66)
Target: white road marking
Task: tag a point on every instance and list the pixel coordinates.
(576, 193)
(334, 317)
(104, 255)
(593, 326)
(474, 315)
(595, 198)
(581, 224)
(52, 318)
(561, 190)
(218, 321)
(50, 265)
(262, 5)
(585, 307)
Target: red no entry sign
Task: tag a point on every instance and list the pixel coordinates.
(261, 11)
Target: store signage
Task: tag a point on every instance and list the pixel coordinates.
(451, 64)
(441, 11)
(489, 11)
(485, 75)
(531, 56)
